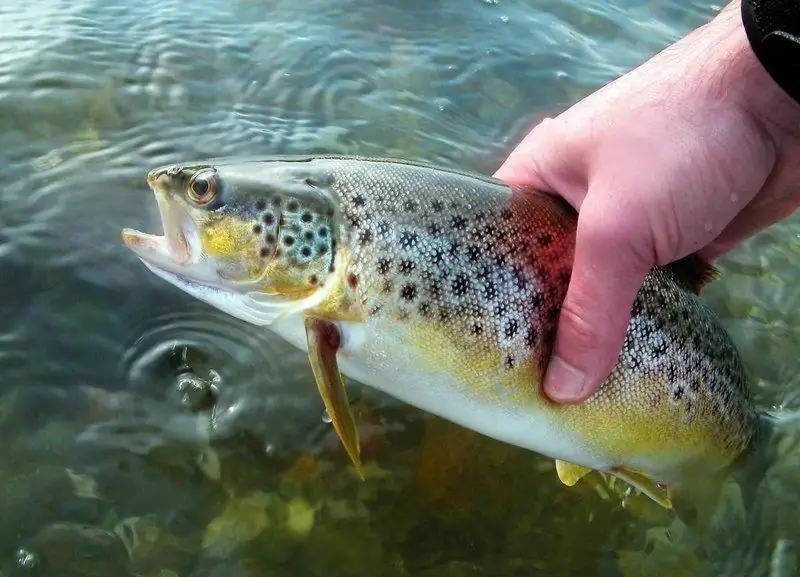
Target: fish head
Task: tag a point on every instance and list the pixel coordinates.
(255, 239)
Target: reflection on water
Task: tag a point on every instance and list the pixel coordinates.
(154, 436)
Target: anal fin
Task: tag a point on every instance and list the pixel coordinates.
(569, 473)
(645, 485)
(323, 344)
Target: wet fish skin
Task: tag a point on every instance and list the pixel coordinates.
(445, 288)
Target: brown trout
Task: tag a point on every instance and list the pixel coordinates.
(443, 289)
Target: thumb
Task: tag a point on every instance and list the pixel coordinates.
(608, 270)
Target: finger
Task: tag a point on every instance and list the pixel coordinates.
(520, 168)
(551, 158)
(608, 271)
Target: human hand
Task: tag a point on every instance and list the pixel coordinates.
(692, 152)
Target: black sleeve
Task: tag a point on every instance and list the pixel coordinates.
(773, 30)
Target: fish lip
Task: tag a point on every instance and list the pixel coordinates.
(171, 250)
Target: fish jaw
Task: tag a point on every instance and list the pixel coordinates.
(178, 258)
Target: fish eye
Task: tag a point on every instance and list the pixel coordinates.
(203, 186)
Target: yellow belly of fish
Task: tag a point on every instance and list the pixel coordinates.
(427, 369)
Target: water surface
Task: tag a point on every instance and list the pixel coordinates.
(109, 469)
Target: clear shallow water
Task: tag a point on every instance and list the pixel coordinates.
(103, 457)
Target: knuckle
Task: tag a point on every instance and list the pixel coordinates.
(578, 330)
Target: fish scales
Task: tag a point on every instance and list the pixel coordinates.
(488, 268)
(444, 288)
(437, 252)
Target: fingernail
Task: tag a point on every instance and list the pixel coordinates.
(563, 382)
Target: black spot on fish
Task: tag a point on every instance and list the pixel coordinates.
(506, 213)
(460, 285)
(408, 239)
(458, 222)
(384, 265)
(388, 285)
(308, 235)
(437, 206)
(406, 266)
(257, 229)
(269, 219)
(264, 252)
(444, 315)
(276, 202)
(293, 206)
(474, 252)
(288, 240)
(490, 290)
(352, 280)
(477, 329)
(322, 232)
(322, 249)
(306, 217)
(408, 292)
(484, 273)
(530, 337)
(511, 328)
(435, 289)
(434, 229)
(313, 280)
(660, 350)
(508, 361)
(677, 394)
(261, 206)
(519, 278)
(365, 237)
(382, 228)
(437, 257)
(425, 309)
(454, 248)
(358, 200)
(305, 251)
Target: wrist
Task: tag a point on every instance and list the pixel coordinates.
(742, 78)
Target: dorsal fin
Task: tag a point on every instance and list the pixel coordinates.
(693, 272)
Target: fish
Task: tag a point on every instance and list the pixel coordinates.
(443, 289)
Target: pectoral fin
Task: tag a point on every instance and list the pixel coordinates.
(323, 344)
(569, 474)
(645, 485)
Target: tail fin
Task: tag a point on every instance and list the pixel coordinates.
(751, 467)
(699, 500)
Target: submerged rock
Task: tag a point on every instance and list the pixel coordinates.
(71, 550)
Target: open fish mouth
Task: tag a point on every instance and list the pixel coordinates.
(171, 251)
